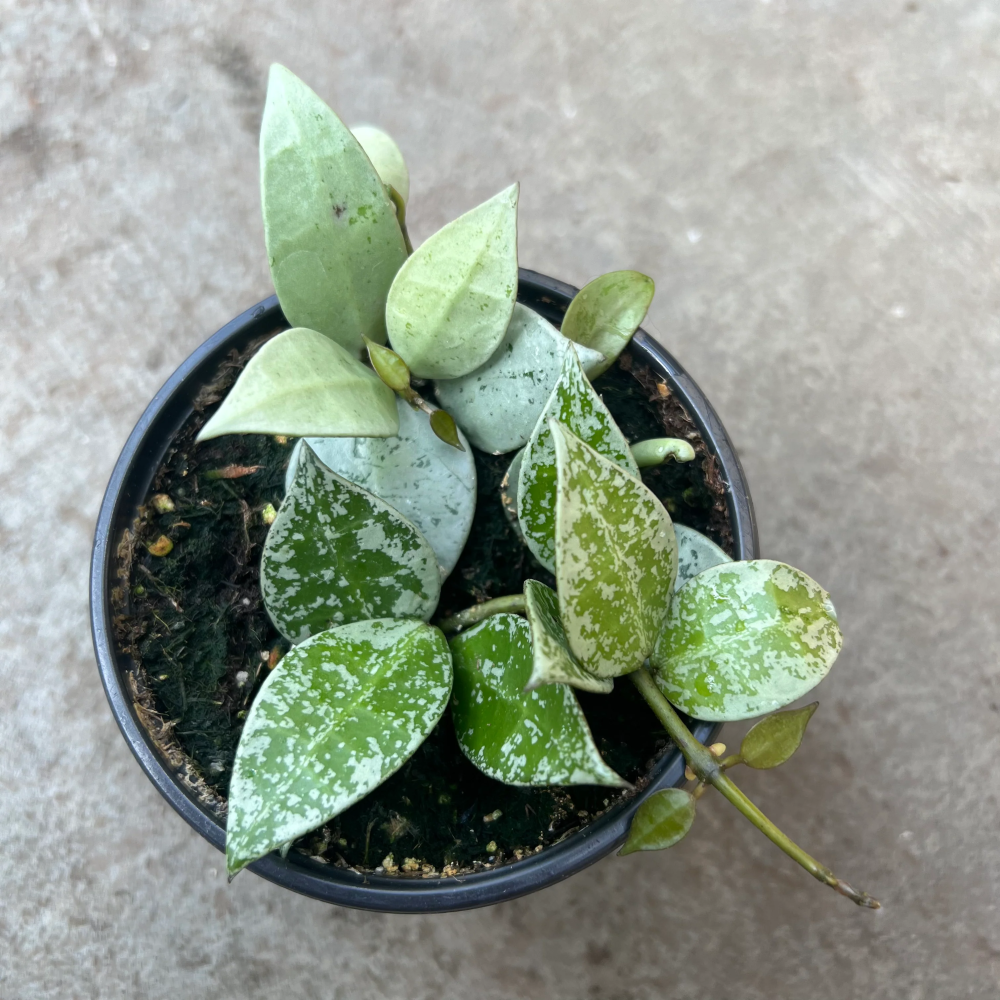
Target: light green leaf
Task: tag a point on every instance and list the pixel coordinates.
(336, 554)
(616, 559)
(430, 483)
(607, 311)
(774, 739)
(508, 491)
(552, 660)
(337, 716)
(386, 158)
(695, 554)
(499, 403)
(333, 241)
(661, 821)
(745, 638)
(451, 302)
(389, 366)
(655, 451)
(575, 405)
(519, 737)
(300, 383)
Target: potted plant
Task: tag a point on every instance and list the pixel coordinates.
(388, 578)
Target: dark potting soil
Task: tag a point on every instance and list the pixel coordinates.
(195, 624)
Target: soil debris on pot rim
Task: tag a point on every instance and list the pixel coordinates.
(194, 622)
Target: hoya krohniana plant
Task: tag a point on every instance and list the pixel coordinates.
(380, 496)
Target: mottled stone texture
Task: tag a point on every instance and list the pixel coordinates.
(816, 190)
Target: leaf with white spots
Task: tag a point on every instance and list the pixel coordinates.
(337, 715)
(695, 554)
(575, 405)
(553, 661)
(332, 238)
(616, 559)
(337, 554)
(450, 304)
(607, 311)
(519, 737)
(745, 638)
(499, 403)
(385, 157)
(301, 382)
(428, 481)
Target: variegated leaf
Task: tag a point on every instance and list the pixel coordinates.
(450, 304)
(336, 554)
(338, 715)
(499, 403)
(607, 311)
(333, 241)
(616, 559)
(576, 405)
(695, 554)
(429, 482)
(300, 383)
(553, 661)
(745, 638)
(385, 157)
(519, 737)
(508, 491)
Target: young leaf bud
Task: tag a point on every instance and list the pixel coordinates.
(389, 366)
(161, 547)
(443, 425)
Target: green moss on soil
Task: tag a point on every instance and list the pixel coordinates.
(197, 627)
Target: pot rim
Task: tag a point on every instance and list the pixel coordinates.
(129, 483)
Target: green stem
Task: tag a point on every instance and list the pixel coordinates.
(400, 205)
(478, 612)
(708, 770)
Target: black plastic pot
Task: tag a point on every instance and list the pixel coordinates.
(130, 481)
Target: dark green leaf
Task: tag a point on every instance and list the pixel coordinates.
(443, 425)
(661, 821)
(774, 739)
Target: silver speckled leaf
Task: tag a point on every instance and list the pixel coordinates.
(576, 405)
(450, 304)
(428, 481)
(301, 382)
(337, 716)
(616, 559)
(499, 403)
(695, 554)
(336, 554)
(745, 638)
(553, 661)
(519, 737)
(333, 241)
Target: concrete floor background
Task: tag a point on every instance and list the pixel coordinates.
(814, 189)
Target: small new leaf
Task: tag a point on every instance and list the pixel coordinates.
(519, 737)
(661, 821)
(607, 311)
(576, 405)
(774, 739)
(385, 157)
(389, 366)
(338, 715)
(745, 638)
(450, 304)
(301, 383)
(616, 559)
(656, 451)
(337, 554)
(443, 425)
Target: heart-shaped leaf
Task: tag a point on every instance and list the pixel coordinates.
(499, 403)
(300, 383)
(429, 482)
(385, 158)
(575, 405)
(655, 451)
(695, 554)
(774, 739)
(451, 302)
(552, 660)
(616, 559)
(519, 737)
(337, 554)
(607, 311)
(336, 716)
(745, 638)
(661, 821)
(333, 241)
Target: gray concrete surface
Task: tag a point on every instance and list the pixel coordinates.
(814, 188)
